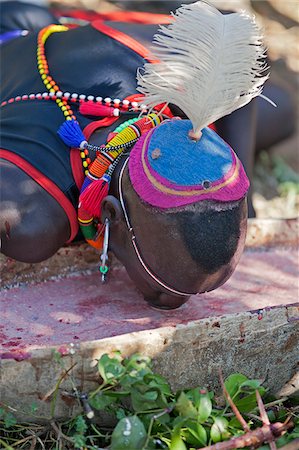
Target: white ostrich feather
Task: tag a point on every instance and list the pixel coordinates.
(210, 63)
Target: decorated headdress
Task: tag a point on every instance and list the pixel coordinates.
(209, 65)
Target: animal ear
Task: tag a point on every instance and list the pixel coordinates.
(110, 209)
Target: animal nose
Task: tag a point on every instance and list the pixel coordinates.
(166, 301)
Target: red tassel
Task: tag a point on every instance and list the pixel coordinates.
(92, 197)
(94, 109)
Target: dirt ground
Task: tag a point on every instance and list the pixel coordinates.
(276, 178)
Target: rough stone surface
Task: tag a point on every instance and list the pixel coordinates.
(260, 344)
(80, 308)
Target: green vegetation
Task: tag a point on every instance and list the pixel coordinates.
(276, 187)
(148, 415)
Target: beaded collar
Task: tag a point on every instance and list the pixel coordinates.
(70, 131)
(98, 173)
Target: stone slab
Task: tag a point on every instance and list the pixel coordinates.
(80, 308)
(262, 344)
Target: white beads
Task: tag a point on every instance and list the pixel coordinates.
(115, 103)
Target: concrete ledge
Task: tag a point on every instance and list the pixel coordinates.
(261, 344)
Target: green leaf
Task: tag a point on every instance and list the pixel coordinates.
(145, 398)
(120, 413)
(271, 415)
(177, 442)
(137, 368)
(248, 402)
(151, 395)
(249, 386)
(202, 401)
(110, 369)
(138, 362)
(204, 407)
(165, 418)
(219, 429)
(101, 401)
(234, 423)
(9, 420)
(233, 383)
(195, 434)
(80, 425)
(129, 379)
(129, 434)
(179, 422)
(185, 406)
(79, 440)
(158, 382)
(242, 391)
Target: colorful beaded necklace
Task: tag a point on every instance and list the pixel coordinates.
(98, 173)
(70, 132)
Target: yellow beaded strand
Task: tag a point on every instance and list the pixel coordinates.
(50, 83)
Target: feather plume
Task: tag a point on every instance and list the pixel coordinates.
(210, 63)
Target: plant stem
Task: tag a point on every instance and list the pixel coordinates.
(55, 390)
(8, 447)
(97, 431)
(98, 389)
(148, 433)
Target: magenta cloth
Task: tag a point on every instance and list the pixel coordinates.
(159, 191)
